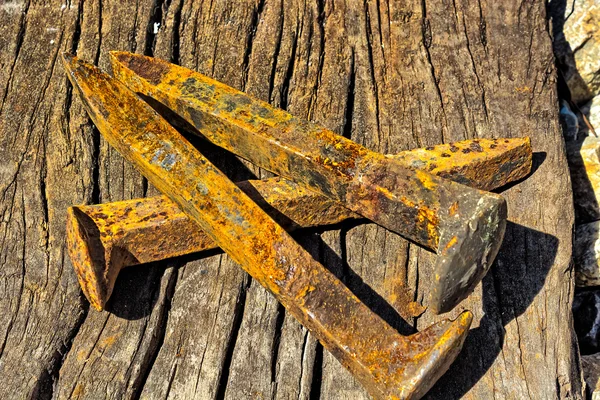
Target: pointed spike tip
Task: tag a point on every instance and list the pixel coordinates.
(126, 65)
(68, 58)
(70, 63)
(116, 56)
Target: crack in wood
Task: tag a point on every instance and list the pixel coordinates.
(46, 384)
(285, 85)
(348, 115)
(482, 27)
(18, 45)
(321, 18)
(280, 316)
(369, 37)
(157, 339)
(152, 27)
(69, 87)
(175, 40)
(256, 13)
(235, 330)
(427, 40)
(474, 66)
(276, 52)
(317, 381)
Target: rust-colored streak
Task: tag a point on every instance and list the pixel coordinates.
(383, 189)
(153, 229)
(388, 364)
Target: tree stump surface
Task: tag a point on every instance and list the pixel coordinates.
(389, 75)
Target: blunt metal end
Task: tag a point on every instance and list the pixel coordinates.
(88, 258)
(483, 164)
(425, 356)
(436, 348)
(467, 249)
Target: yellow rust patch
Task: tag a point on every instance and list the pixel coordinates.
(304, 291)
(430, 220)
(78, 391)
(426, 180)
(523, 89)
(108, 341)
(82, 356)
(390, 195)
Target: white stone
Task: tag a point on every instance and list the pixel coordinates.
(594, 114)
(583, 157)
(592, 111)
(582, 32)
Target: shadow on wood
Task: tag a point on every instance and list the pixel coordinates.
(136, 291)
(537, 159)
(508, 281)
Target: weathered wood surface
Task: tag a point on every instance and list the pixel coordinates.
(392, 76)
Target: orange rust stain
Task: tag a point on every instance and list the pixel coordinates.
(408, 202)
(108, 341)
(523, 89)
(453, 209)
(430, 220)
(78, 391)
(451, 242)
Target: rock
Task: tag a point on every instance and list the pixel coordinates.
(577, 48)
(591, 373)
(592, 111)
(583, 157)
(586, 252)
(568, 121)
(586, 317)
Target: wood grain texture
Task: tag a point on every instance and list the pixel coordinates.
(389, 75)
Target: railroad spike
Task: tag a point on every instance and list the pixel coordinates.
(389, 365)
(463, 225)
(105, 238)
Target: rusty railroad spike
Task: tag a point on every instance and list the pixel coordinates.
(464, 225)
(104, 238)
(388, 364)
